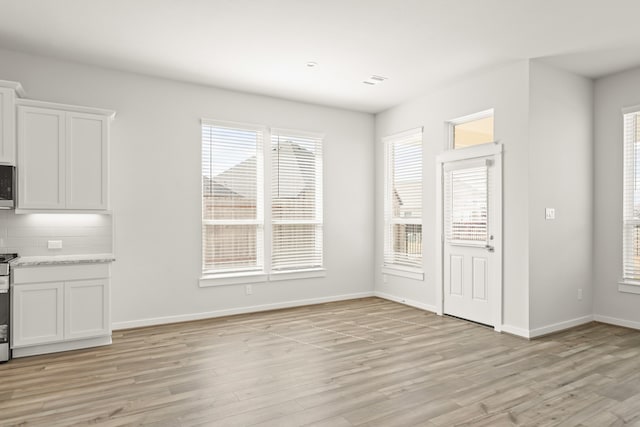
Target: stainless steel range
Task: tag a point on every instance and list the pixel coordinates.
(5, 306)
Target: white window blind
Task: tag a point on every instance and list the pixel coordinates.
(631, 199)
(466, 204)
(296, 200)
(403, 199)
(232, 197)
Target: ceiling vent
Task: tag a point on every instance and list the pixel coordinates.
(374, 80)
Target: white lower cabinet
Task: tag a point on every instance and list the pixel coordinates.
(86, 309)
(70, 311)
(38, 313)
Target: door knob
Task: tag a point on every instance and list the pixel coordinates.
(489, 248)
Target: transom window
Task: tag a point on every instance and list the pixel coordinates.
(472, 130)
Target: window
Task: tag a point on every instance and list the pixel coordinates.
(472, 130)
(631, 200)
(296, 201)
(232, 201)
(403, 200)
(466, 204)
(235, 180)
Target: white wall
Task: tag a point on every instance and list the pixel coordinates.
(612, 93)
(506, 89)
(560, 177)
(155, 187)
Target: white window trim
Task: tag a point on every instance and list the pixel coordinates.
(297, 274)
(415, 273)
(236, 278)
(450, 124)
(260, 221)
(265, 275)
(242, 278)
(627, 285)
(401, 271)
(304, 273)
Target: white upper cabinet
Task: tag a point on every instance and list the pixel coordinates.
(62, 157)
(41, 164)
(8, 92)
(86, 161)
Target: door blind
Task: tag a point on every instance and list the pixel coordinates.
(631, 199)
(403, 199)
(296, 201)
(232, 197)
(466, 204)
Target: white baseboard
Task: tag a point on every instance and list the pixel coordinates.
(560, 326)
(514, 330)
(231, 311)
(544, 330)
(615, 321)
(406, 301)
(60, 346)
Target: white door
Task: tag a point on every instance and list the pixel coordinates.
(471, 282)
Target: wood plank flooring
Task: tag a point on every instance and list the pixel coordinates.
(367, 362)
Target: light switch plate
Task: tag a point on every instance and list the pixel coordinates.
(550, 213)
(54, 244)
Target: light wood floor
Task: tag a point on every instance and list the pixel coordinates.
(363, 362)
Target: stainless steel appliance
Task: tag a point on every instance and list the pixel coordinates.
(5, 306)
(7, 186)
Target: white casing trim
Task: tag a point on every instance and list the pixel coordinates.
(415, 274)
(629, 287)
(232, 311)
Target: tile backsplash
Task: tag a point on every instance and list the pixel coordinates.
(28, 234)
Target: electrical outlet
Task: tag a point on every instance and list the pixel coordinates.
(248, 289)
(580, 294)
(54, 244)
(549, 213)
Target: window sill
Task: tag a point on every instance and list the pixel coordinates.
(409, 273)
(629, 286)
(208, 280)
(298, 274)
(228, 279)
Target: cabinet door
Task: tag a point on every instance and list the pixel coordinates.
(37, 313)
(86, 309)
(41, 158)
(86, 150)
(7, 126)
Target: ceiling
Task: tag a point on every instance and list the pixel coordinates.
(263, 46)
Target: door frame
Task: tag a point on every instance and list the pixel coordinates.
(494, 150)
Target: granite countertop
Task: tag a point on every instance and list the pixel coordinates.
(29, 261)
